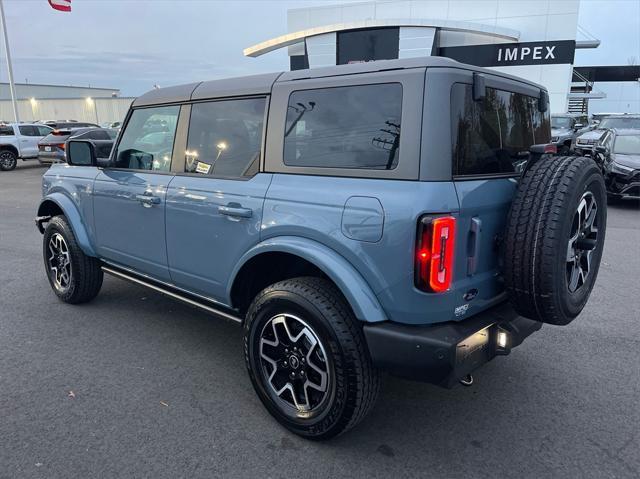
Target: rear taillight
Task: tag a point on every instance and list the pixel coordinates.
(434, 253)
(551, 148)
(61, 145)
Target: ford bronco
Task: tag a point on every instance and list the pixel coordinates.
(394, 216)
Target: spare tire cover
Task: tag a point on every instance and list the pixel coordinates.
(554, 238)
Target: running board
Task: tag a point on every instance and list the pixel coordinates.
(171, 293)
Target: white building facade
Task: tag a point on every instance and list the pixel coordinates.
(533, 39)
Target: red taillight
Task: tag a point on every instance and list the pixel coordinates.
(434, 253)
(551, 148)
(61, 145)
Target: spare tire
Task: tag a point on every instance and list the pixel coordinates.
(554, 238)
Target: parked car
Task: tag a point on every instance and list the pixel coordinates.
(19, 141)
(618, 152)
(596, 118)
(52, 148)
(62, 124)
(566, 128)
(379, 220)
(585, 142)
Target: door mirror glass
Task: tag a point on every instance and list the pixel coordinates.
(80, 153)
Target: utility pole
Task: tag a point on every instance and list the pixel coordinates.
(9, 68)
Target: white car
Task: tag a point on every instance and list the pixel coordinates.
(20, 140)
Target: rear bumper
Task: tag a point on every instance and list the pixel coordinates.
(444, 353)
(50, 157)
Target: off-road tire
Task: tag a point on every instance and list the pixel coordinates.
(354, 382)
(537, 239)
(86, 273)
(8, 160)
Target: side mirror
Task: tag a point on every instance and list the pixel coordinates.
(543, 101)
(80, 153)
(601, 149)
(479, 88)
(577, 126)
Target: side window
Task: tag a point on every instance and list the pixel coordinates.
(493, 136)
(225, 137)
(147, 140)
(6, 130)
(344, 127)
(28, 130)
(43, 130)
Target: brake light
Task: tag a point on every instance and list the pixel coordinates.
(551, 148)
(61, 145)
(434, 253)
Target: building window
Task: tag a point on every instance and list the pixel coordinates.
(357, 46)
(493, 136)
(344, 127)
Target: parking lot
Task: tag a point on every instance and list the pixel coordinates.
(134, 384)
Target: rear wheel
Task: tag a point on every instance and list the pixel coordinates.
(555, 238)
(307, 358)
(8, 160)
(73, 276)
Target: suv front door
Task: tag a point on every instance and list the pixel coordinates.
(215, 202)
(129, 196)
(29, 138)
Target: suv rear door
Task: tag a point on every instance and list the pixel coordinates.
(490, 147)
(214, 204)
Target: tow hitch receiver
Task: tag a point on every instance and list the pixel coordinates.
(447, 353)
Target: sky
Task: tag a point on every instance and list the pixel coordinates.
(132, 45)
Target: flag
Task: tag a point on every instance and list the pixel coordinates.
(62, 5)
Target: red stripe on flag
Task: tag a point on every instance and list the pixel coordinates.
(61, 5)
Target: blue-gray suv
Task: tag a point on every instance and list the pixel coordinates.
(396, 216)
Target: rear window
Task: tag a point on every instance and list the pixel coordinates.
(344, 127)
(493, 136)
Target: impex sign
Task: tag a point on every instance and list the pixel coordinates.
(509, 54)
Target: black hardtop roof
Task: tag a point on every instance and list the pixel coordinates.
(262, 84)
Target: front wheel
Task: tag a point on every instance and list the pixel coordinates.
(307, 358)
(73, 276)
(8, 160)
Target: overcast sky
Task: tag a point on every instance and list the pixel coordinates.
(133, 45)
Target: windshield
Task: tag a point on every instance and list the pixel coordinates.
(627, 145)
(561, 122)
(633, 123)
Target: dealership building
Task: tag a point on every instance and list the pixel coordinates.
(532, 39)
(61, 102)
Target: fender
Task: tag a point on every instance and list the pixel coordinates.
(363, 301)
(73, 217)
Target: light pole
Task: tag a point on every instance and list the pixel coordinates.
(9, 67)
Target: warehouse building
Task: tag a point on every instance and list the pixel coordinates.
(60, 102)
(533, 39)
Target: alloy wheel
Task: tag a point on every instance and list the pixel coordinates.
(59, 261)
(7, 160)
(294, 364)
(583, 242)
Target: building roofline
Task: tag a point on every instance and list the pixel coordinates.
(62, 86)
(296, 37)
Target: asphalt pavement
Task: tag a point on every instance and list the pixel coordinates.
(135, 384)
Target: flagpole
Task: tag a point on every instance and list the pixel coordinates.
(9, 68)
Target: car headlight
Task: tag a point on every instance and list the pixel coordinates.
(620, 169)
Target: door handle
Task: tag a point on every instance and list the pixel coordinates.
(234, 209)
(474, 245)
(148, 200)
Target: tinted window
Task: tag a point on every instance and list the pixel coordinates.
(344, 127)
(225, 137)
(493, 136)
(94, 135)
(147, 141)
(6, 131)
(28, 130)
(44, 131)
